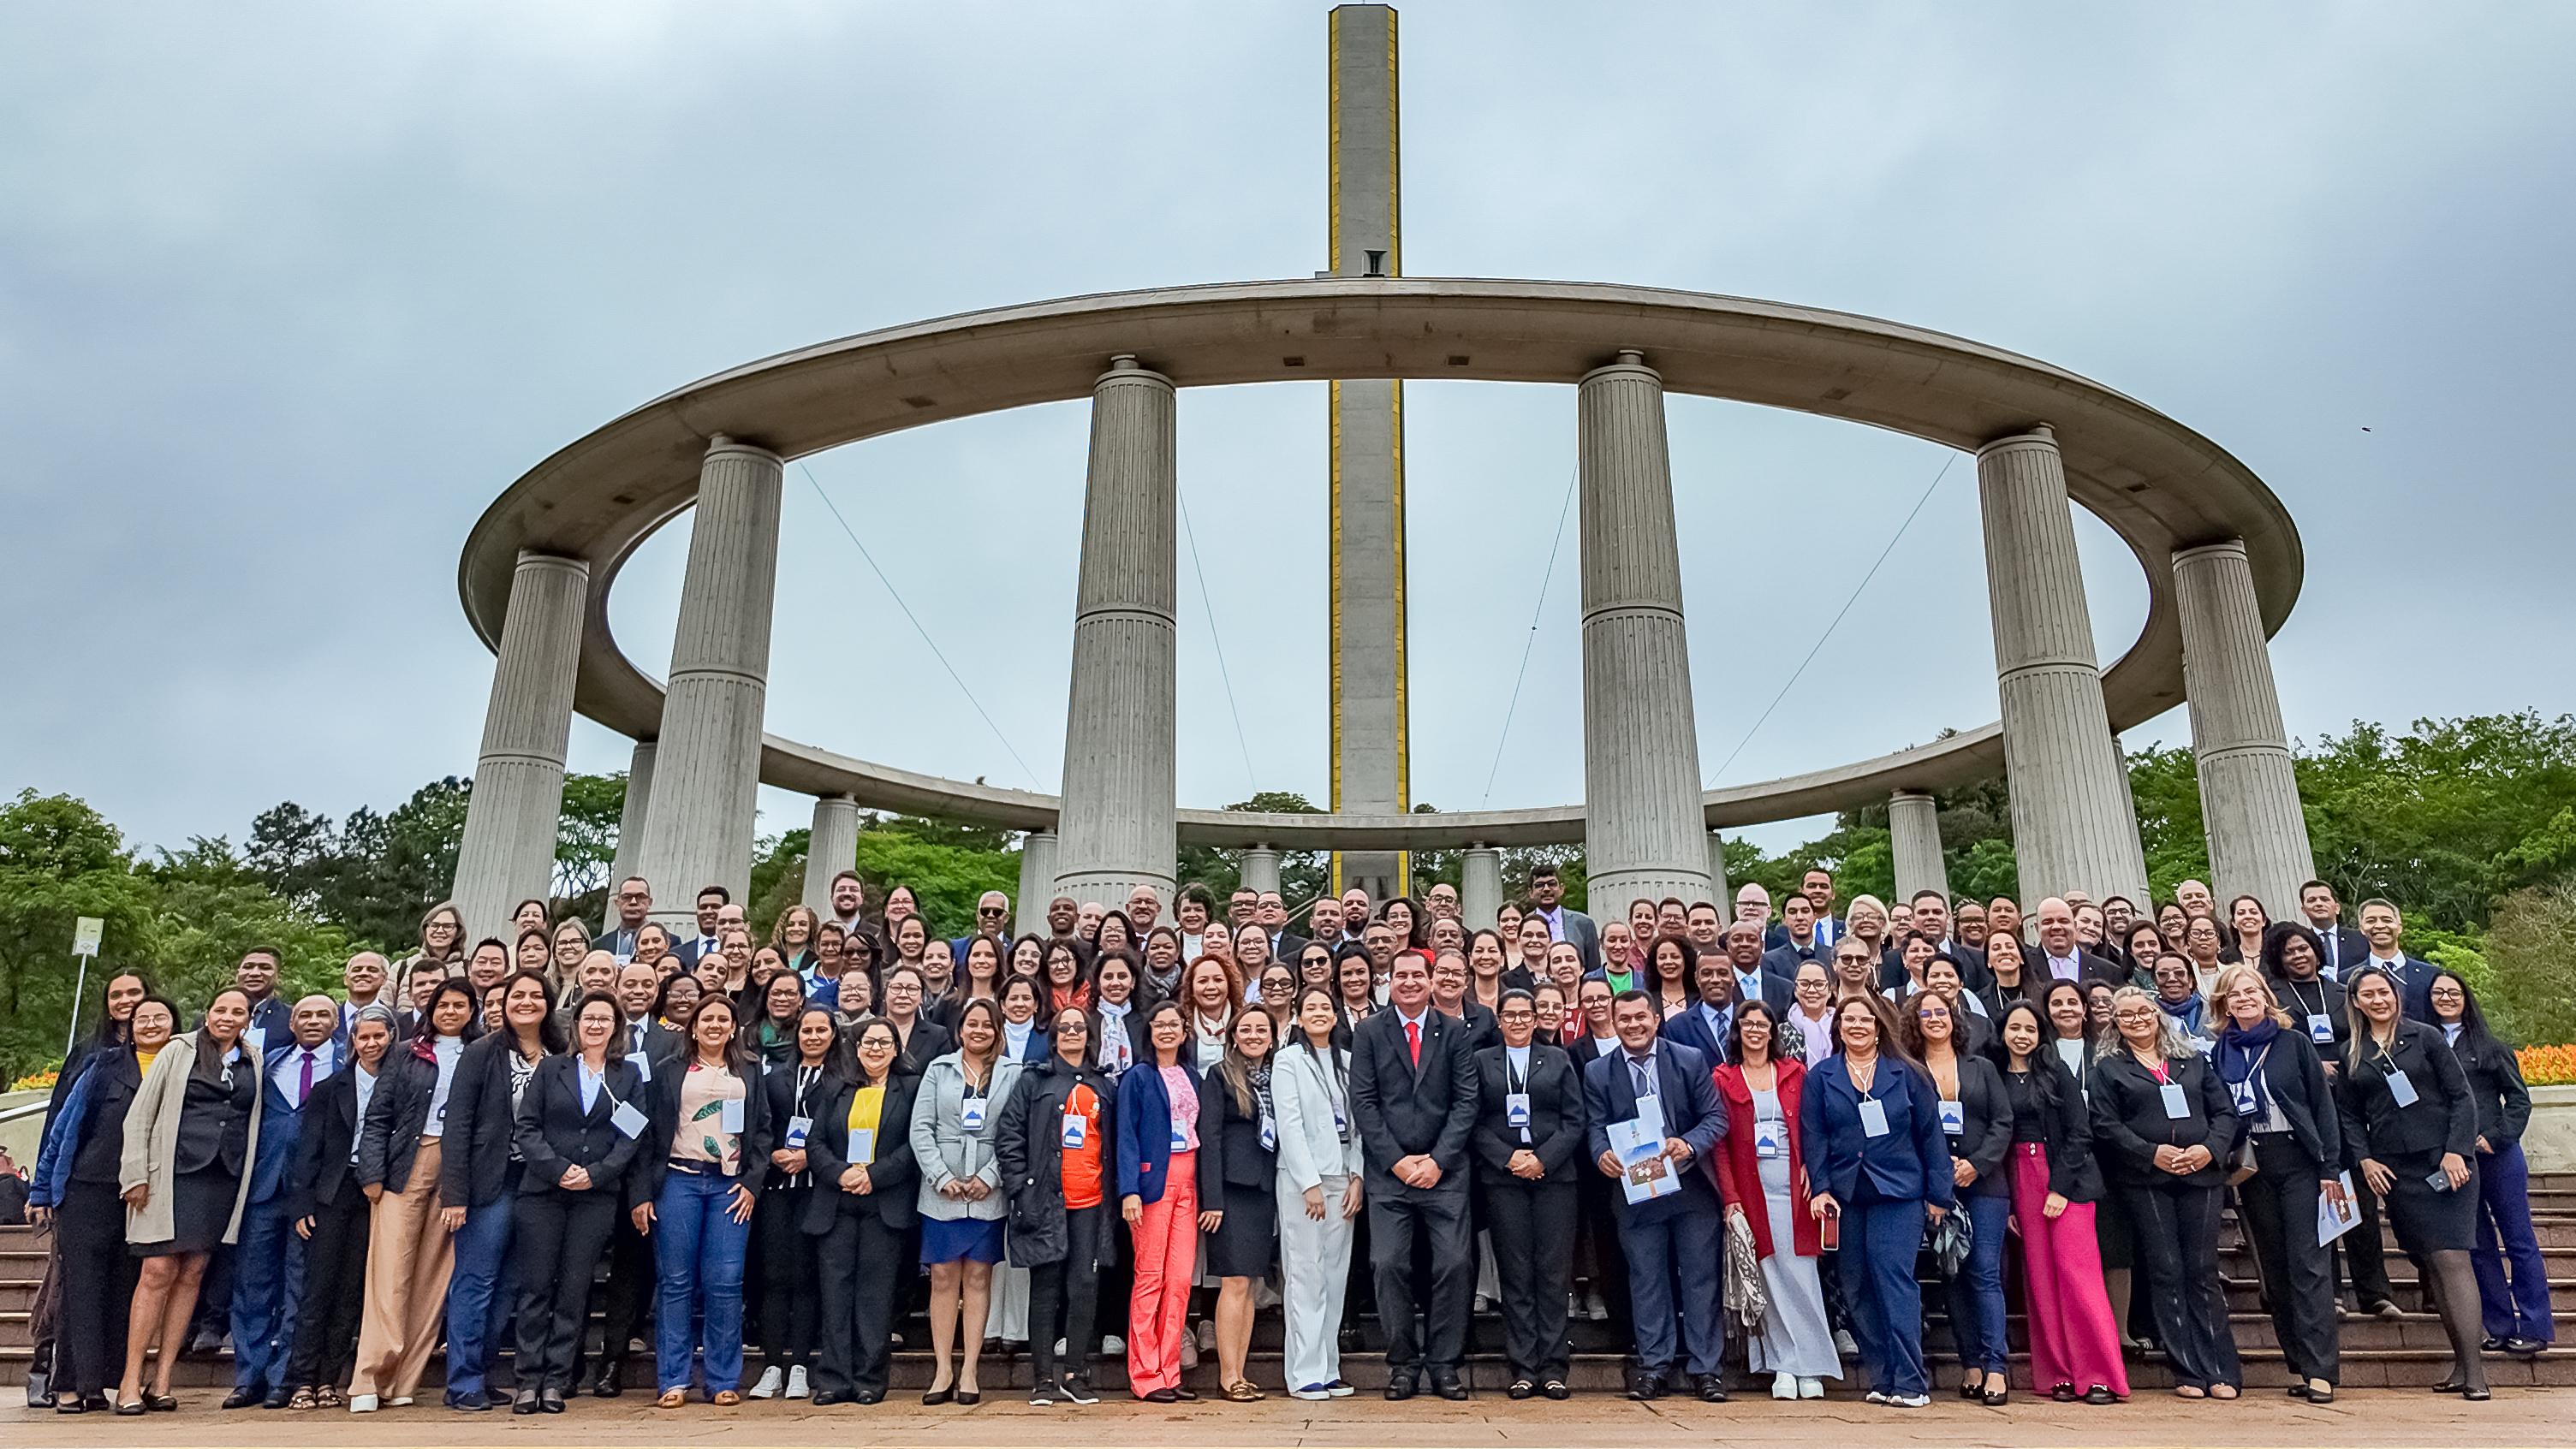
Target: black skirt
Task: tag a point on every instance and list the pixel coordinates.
(1244, 1242)
(2429, 1221)
(201, 1208)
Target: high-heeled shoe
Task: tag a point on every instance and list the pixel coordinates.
(1998, 1391)
(933, 1398)
(969, 1398)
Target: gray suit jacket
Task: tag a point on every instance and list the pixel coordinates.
(1586, 937)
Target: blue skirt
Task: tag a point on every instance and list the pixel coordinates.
(950, 1240)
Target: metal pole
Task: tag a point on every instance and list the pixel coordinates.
(71, 1032)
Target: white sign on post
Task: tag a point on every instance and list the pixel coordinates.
(85, 933)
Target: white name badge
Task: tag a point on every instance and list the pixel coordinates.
(1180, 1136)
(2320, 1026)
(643, 1065)
(1650, 1116)
(1516, 1109)
(797, 1130)
(2402, 1089)
(863, 1145)
(1873, 1117)
(729, 1116)
(627, 1120)
(1269, 1135)
(971, 1115)
(2243, 1092)
(1770, 1139)
(2177, 1106)
(1954, 1116)
(1077, 1130)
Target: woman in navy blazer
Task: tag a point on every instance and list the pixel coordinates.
(577, 1141)
(1870, 1124)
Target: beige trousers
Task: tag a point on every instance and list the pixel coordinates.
(409, 1253)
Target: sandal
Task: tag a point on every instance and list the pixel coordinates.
(329, 1397)
(1241, 1391)
(725, 1399)
(672, 1399)
(2222, 1392)
(304, 1398)
(2189, 1391)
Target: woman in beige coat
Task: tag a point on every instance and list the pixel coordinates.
(189, 1139)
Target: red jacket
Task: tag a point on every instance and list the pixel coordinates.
(1739, 1173)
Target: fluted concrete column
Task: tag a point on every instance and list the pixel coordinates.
(2073, 826)
(831, 849)
(1719, 892)
(1260, 869)
(1037, 883)
(1118, 806)
(1644, 831)
(1914, 833)
(698, 824)
(508, 853)
(2249, 794)
(630, 821)
(1480, 889)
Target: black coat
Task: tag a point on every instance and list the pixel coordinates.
(474, 1156)
(894, 1179)
(785, 1104)
(662, 1105)
(1230, 1150)
(2295, 1077)
(2495, 1084)
(2316, 996)
(2444, 1117)
(2066, 1130)
(1984, 1137)
(389, 1140)
(322, 1168)
(1556, 1126)
(2129, 1121)
(1400, 1110)
(930, 1041)
(555, 1134)
(98, 1153)
(1030, 1154)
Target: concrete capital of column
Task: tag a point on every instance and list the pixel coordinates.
(2206, 550)
(1124, 369)
(2038, 435)
(1629, 363)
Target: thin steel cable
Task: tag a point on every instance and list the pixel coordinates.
(1838, 618)
(1563, 512)
(1222, 672)
(916, 625)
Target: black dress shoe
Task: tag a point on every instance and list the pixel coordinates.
(1448, 1387)
(1712, 1388)
(1643, 1386)
(525, 1402)
(243, 1399)
(70, 1406)
(278, 1398)
(2100, 1394)
(550, 1400)
(1557, 1389)
(1402, 1386)
(161, 1403)
(2524, 1347)
(1161, 1396)
(827, 1399)
(933, 1398)
(610, 1381)
(2476, 1396)
(1520, 1389)
(867, 1397)
(129, 1410)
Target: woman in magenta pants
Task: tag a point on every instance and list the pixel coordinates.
(2074, 1345)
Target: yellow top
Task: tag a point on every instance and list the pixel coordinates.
(866, 1105)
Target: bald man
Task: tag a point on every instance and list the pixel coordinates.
(2062, 957)
(268, 1261)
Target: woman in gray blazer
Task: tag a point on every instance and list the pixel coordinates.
(956, 1140)
(1319, 1193)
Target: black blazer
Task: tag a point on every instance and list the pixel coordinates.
(786, 1103)
(2129, 1121)
(322, 1150)
(930, 1041)
(1400, 1110)
(474, 1157)
(2066, 1130)
(98, 1152)
(893, 1179)
(555, 1134)
(1986, 1123)
(2444, 1117)
(2295, 1076)
(1556, 1126)
(662, 1104)
(389, 1140)
(1230, 1150)
(2316, 996)
(1484, 1029)
(2495, 1084)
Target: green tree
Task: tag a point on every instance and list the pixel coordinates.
(2530, 991)
(59, 860)
(209, 909)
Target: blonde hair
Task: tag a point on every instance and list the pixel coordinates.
(2224, 986)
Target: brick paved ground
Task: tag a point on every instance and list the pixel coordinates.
(2358, 1417)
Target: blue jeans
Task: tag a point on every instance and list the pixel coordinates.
(268, 1279)
(1977, 1289)
(698, 1251)
(1879, 1240)
(481, 1290)
(2518, 1310)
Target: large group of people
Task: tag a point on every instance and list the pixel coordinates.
(1130, 1134)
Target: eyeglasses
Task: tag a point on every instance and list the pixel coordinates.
(990, 911)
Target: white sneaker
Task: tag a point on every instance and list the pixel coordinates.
(797, 1388)
(362, 1403)
(1311, 1392)
(770, 1379)
(1909, 1401)
(402, 1403)
(1784, 1386)
(1189, 1351)
(1811, 1388)
(1207, 1335)
(1111, 1343)
(1595, 1309)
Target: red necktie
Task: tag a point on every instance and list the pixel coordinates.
(1413, 1039)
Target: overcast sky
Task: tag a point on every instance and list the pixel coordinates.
(289, 294)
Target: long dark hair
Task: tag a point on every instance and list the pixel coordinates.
(550, 1033)
(210, 1061)
(424, 1037)
(735, 1059)
(616, 1024)
(111, 1032)
(839, 1062)
(2473, 1021)
(2048, 1028)
(1785, 1046)
(2045, 1076)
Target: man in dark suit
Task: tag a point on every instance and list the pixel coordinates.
(1413, 1101)
(2383, 926)
(1818, 887)
(1547, 892)
(1932, 917)
(1271, 914)
(657, 1044)
(2344, 946)
(634, 902)
(270, 1015)
(1770, 977)
(1673, 1243)
(2060, 957)
(711, 903)
(1449, 997)
(1703, 1028)
(268, 1265)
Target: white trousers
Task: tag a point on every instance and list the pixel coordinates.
(1316, 1260)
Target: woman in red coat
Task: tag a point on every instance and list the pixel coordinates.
(1762, 1176)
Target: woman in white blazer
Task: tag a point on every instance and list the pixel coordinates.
(1319, 1193)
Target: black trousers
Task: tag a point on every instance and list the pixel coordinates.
(790, 1297)
(97, 1290)
(2177, 1229)
(626, 1307)
(1533, 1227)
(2279, 1207)
(334, 1295)
(1395, 1211)
(865, 1273)
(558, 1236)
(1067, 1292)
